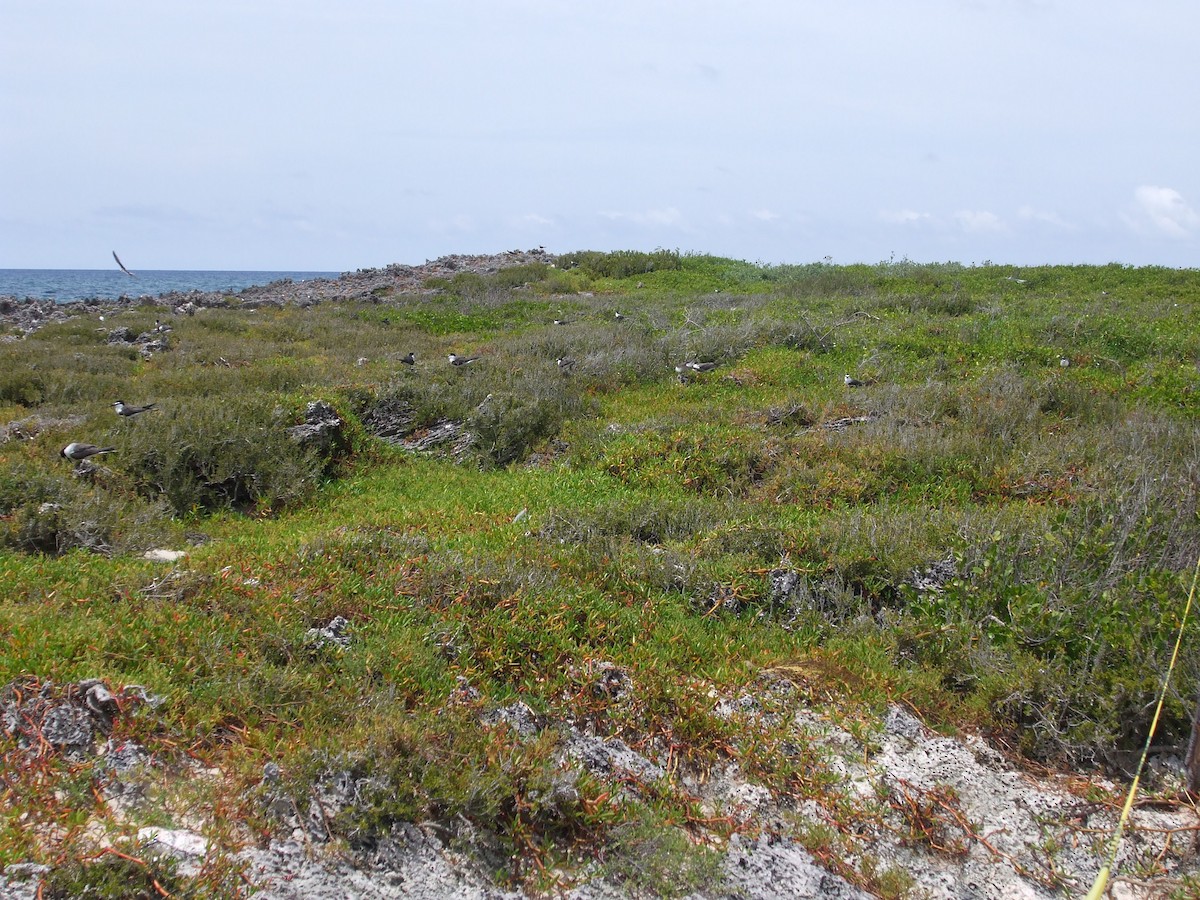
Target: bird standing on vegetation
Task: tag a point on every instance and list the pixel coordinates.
(565, 364)
(701, 366)
(618, 315)
(851, 381)
(456, 360)
(126, 411)
(78, 451)
(410, 360)
(1064, 362)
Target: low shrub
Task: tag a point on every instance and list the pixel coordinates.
(54, 512)
(233, 452)
(620, 263)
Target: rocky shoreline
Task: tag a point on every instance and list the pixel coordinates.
(26, 315)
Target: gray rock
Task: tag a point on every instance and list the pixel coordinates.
(322, 427)
(19, 881)
(766, 869)
(332, 635)
(518, 716)
(611, 757)
(68, 728)
(902, 723)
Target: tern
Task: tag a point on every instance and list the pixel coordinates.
(126, 411)
(456, 360)
(410, 360)
(78, 451)
(565, 364)
(122, 265)
(851, 381)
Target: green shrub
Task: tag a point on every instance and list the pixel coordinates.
(85, 508)
(115, 877)
(621, 263)
(231, 451)
(21, 387)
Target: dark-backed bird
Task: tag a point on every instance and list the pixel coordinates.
(410, 360)
(565, 364)
(456, 360)
(122, 265)
(618, 315)
(701, 366)
(78, 451)
(851, 381)
(126, 411)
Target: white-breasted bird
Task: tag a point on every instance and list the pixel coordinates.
(125, 410)
(851, 381)
(456, 360)
(565, 364)
(701, 366)
(410, 360)
(80, 451)
(122, 265)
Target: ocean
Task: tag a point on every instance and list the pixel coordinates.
(68, 285)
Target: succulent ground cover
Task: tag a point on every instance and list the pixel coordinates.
(536, 609)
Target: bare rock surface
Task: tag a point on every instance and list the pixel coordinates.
(413, 866)
(950, 816)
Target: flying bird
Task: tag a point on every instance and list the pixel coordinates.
(127, 411)
(410, 360)
(78, 451)
(122, 265)
(456, 360)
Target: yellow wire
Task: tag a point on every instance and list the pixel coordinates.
(1101, 883)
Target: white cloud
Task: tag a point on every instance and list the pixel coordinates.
(650, 217)
(976, 220)
(1162, 210)
(764, 215)
(1032, 214)
(903, 216)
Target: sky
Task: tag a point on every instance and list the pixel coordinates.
(309, 135)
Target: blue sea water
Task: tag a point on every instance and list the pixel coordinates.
(68, 285)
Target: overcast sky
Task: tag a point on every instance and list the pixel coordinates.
(333, 136)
